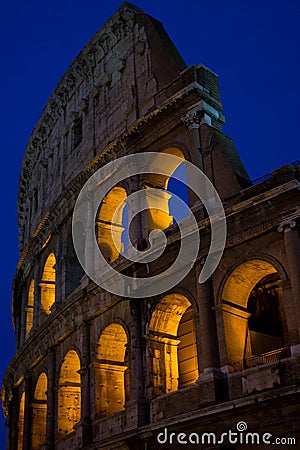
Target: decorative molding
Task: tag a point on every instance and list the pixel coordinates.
(192, 119)
(286, 225)
(289, 223)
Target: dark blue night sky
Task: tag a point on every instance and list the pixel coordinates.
(252, 45)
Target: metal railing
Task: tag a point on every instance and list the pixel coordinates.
(266, 358)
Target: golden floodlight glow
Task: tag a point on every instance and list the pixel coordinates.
(243, 279)
(48, 284)
(111, 372)
(236, 291)
(109, 232)
(21, 422)
(46, 242)
(69, 394)
(30, 308)
(158, 200)
(39, 412)
(172, 345)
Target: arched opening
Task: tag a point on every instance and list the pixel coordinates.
(187, 350)
(253, 314)
(73, 269)
(47, 284)
(172, 345)
(159, 202)
(21, 421)
(69, 394)
(29, 308)
(111, 371)
(265, 323)
(178, 185)
(109, 225)
(39, 412)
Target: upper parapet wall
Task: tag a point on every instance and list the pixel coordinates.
(128, 69)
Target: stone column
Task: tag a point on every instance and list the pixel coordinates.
(89, 250)
(37, 293)
(27, 412)
(163, 365)
(51, 403)
(158, 213)
(58, 268)
(292, 308)
(137, 406)
(13, 415)
(236, 333)
(209, 360)
(23, 317)
(192, 121)
(85, 384)
(63, 268)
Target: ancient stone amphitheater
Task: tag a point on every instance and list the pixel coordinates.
(96, 370)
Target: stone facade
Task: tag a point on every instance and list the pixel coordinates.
(94, 370)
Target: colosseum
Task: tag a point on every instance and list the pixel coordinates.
(94, 369)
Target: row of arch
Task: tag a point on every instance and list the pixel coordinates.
(114, 212)
(173, 355)
(47, 292)
(253, 286)
(112, 232)
(254, 323)
(68, 402)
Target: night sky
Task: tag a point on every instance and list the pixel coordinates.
(252, 45)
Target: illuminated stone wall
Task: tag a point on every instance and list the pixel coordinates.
(95, 370)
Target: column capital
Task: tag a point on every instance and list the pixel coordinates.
(192, 120)
(287, 225)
